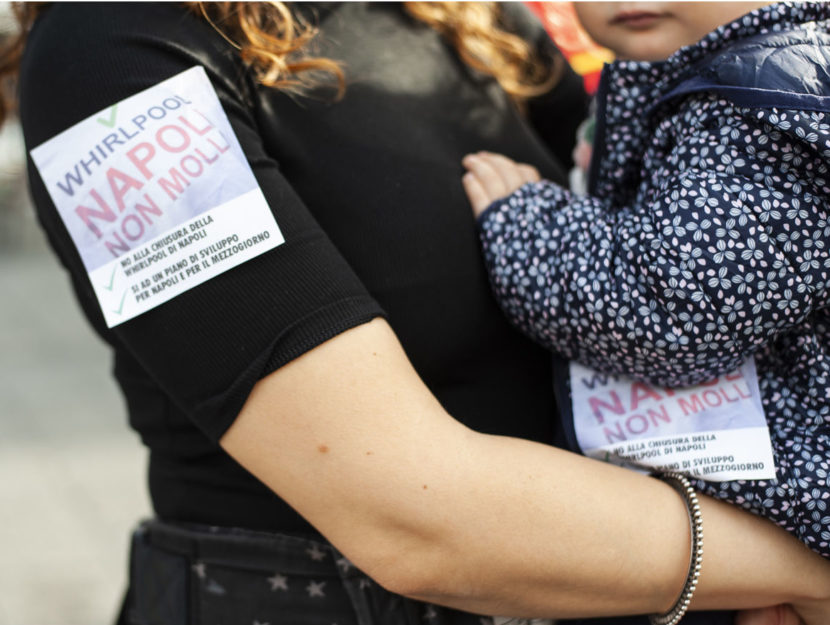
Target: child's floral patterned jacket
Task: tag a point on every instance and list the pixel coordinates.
(705, 239)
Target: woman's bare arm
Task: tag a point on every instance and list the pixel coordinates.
(350, 437)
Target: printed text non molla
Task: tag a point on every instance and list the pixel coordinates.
(647, 407)
(137, 191)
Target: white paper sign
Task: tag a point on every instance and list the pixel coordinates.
(157, 195)
(714, 431)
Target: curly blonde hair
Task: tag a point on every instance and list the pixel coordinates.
(25, 14)
(275, 43)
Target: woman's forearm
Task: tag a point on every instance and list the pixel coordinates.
(349, 436)
(586, 538)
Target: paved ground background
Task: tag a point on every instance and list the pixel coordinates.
(71, 472)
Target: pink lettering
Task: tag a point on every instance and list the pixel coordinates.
(636, 424)
(176, 183)
(163, 138)
(691, 406)
(598, 404)
(741, 391)
(141, 162)
(87, 214)
(613, 435)
(199, 131)
(195, 169)
(712, 398)
(640, 391)
(207, 160)
(221, 149)
(120, 184)
(116, 249)
(151, 209)
(725, 395)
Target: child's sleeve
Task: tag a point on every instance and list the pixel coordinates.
(722, 248)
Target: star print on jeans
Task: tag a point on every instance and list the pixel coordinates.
(215, 588)
(278, 582)
(315, 589)
(316, 553)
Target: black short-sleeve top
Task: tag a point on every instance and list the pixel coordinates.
(366, 191)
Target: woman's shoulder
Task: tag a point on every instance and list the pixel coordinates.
(81, 58)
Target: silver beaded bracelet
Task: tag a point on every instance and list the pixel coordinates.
(683, 486)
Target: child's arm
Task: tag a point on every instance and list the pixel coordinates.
(713, 259)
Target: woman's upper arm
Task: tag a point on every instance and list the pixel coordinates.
(206, 347)
(351, 438)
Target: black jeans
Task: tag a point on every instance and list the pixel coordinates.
(190, 575)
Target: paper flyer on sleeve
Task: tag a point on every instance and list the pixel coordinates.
(157, 195)
(714, 431)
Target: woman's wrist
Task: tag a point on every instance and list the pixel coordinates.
(684, 487)
(813, 591)
(813, 611)
(751, 562)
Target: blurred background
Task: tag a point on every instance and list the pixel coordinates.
(71, 472)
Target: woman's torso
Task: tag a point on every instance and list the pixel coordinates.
(380, 172)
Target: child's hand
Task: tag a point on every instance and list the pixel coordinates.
(774, 615)
(492, 176)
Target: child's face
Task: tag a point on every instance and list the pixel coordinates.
(652, 31)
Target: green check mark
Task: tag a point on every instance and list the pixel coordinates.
(112, 280)
(109, 123)
(121, 307)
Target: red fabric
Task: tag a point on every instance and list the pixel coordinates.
(585, 56)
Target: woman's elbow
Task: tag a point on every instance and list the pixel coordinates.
(413, 564)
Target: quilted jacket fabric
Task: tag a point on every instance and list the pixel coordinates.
(705, 238)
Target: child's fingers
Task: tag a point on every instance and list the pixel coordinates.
(493, 176)
(529, 173)
(489, 178)
(509, 171)
(475, 193)
(774, 615)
